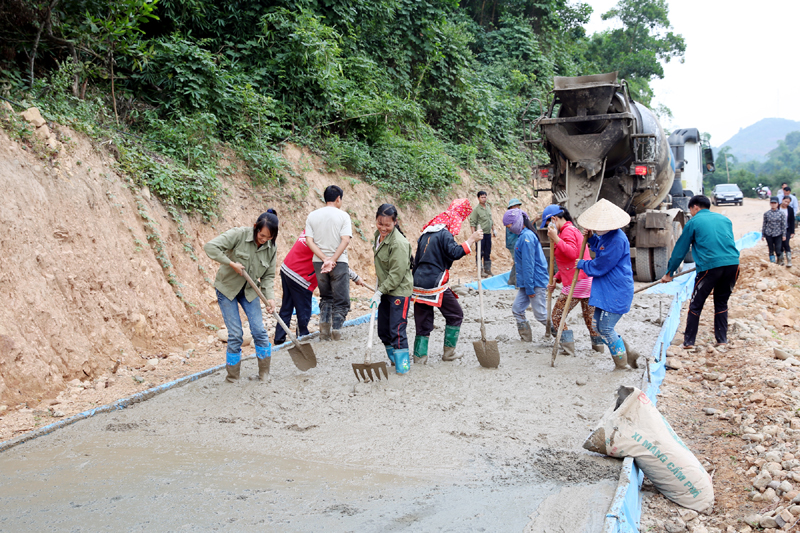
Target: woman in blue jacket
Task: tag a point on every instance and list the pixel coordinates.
(532, 274)
(612, 287)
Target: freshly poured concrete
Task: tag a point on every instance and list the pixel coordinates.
(448, 447)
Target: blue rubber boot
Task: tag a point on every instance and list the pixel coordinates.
(567, 342)
(233, 364)
(390, 353)
(619, 355)
(772, 259)
(264, 356)
(401, 360)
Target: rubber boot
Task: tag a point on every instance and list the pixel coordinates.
(389, 352)
(780, 259)
(633, 355)
(618, 355)
(487, 266)
(421, 350)
(324, 331)
(401, 358)
(336, 334)
(264, 357)
(525, 333)
(567, 342)
(451, 334)
(788, 259)
(772, 259)
(233, 364)
(597, 344)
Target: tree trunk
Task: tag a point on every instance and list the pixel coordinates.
(113, 95)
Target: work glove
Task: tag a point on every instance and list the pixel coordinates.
(375, 301)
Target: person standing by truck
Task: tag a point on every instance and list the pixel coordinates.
(328, 233)
(392, 253)
(566, 240)
(481, 218)
(511, 242)
(251, 250)
(612, 276)
(710, 236)
(532, 274)
(436, 252)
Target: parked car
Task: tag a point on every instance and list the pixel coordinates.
(727, 193)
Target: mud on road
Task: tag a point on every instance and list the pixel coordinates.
(449, 447)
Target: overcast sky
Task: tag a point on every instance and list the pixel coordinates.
(741, 63)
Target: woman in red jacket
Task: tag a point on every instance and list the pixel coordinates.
(566, 240)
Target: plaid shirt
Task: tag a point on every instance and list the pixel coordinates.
(774, 223)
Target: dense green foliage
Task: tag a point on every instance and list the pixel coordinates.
(403, 92)
(782, 166)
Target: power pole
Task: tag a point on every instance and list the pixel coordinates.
(726, 169)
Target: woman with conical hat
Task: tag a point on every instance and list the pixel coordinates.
(612, 284)
(436, 252)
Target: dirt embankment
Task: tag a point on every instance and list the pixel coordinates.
(85, 294)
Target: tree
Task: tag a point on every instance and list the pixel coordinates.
(638, 49)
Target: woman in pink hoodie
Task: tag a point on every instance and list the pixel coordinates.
(566, 240)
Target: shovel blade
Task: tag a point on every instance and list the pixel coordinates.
(487, 353)
(303, 356)
(368, 372)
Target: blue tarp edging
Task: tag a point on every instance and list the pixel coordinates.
(626, 507)
(494, 283)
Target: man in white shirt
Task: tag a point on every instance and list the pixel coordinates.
(328, 233)
(787, 191)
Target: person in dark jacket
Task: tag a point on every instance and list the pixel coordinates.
(714, 251)
(436, 252)
(532, 274)
(773, 229)
(612, 276)
(788, 210)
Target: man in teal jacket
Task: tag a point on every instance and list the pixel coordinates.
(714, 250)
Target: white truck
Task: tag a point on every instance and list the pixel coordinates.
(691, 158)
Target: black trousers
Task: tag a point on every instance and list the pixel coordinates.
(295, 297)
(392, 321)
(451, 311)
(774, 244)
(721, 280)
(486, 248)
(786, 245)
(334, 294)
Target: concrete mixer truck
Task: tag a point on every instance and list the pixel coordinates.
(602, 144)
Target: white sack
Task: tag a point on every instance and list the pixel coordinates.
(636, 429)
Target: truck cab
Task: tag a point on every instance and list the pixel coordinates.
(692, 159)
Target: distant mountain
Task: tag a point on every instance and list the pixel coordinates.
(755, 142)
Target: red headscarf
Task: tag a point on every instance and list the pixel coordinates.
(453, 217)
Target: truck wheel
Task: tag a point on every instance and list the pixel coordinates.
(660, 261)
(644, 264)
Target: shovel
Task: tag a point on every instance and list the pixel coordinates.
(302, 353)
(486, 351)
(651, 285)
(566, 305)
(368, 371)
(547, 328)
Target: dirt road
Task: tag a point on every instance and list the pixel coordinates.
(450, 447)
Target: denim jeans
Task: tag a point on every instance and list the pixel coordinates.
(603, 323)
(230, 314)
(334, 294)
(538, 302)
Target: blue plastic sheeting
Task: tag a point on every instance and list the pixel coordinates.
(626, 508)
(495, 283)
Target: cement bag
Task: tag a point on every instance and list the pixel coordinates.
(636, 429)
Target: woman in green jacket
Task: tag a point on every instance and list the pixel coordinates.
(250, 249)
(395, 284)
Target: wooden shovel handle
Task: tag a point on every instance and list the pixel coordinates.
(550, 292)
(566, 306)
(480, 293)
(264, 299)
(651, 285)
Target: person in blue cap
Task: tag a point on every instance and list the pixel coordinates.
(511, 242)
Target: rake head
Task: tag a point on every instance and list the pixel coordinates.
(367, 372)
(560, 196)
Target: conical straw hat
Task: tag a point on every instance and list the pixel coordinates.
(604, 216)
